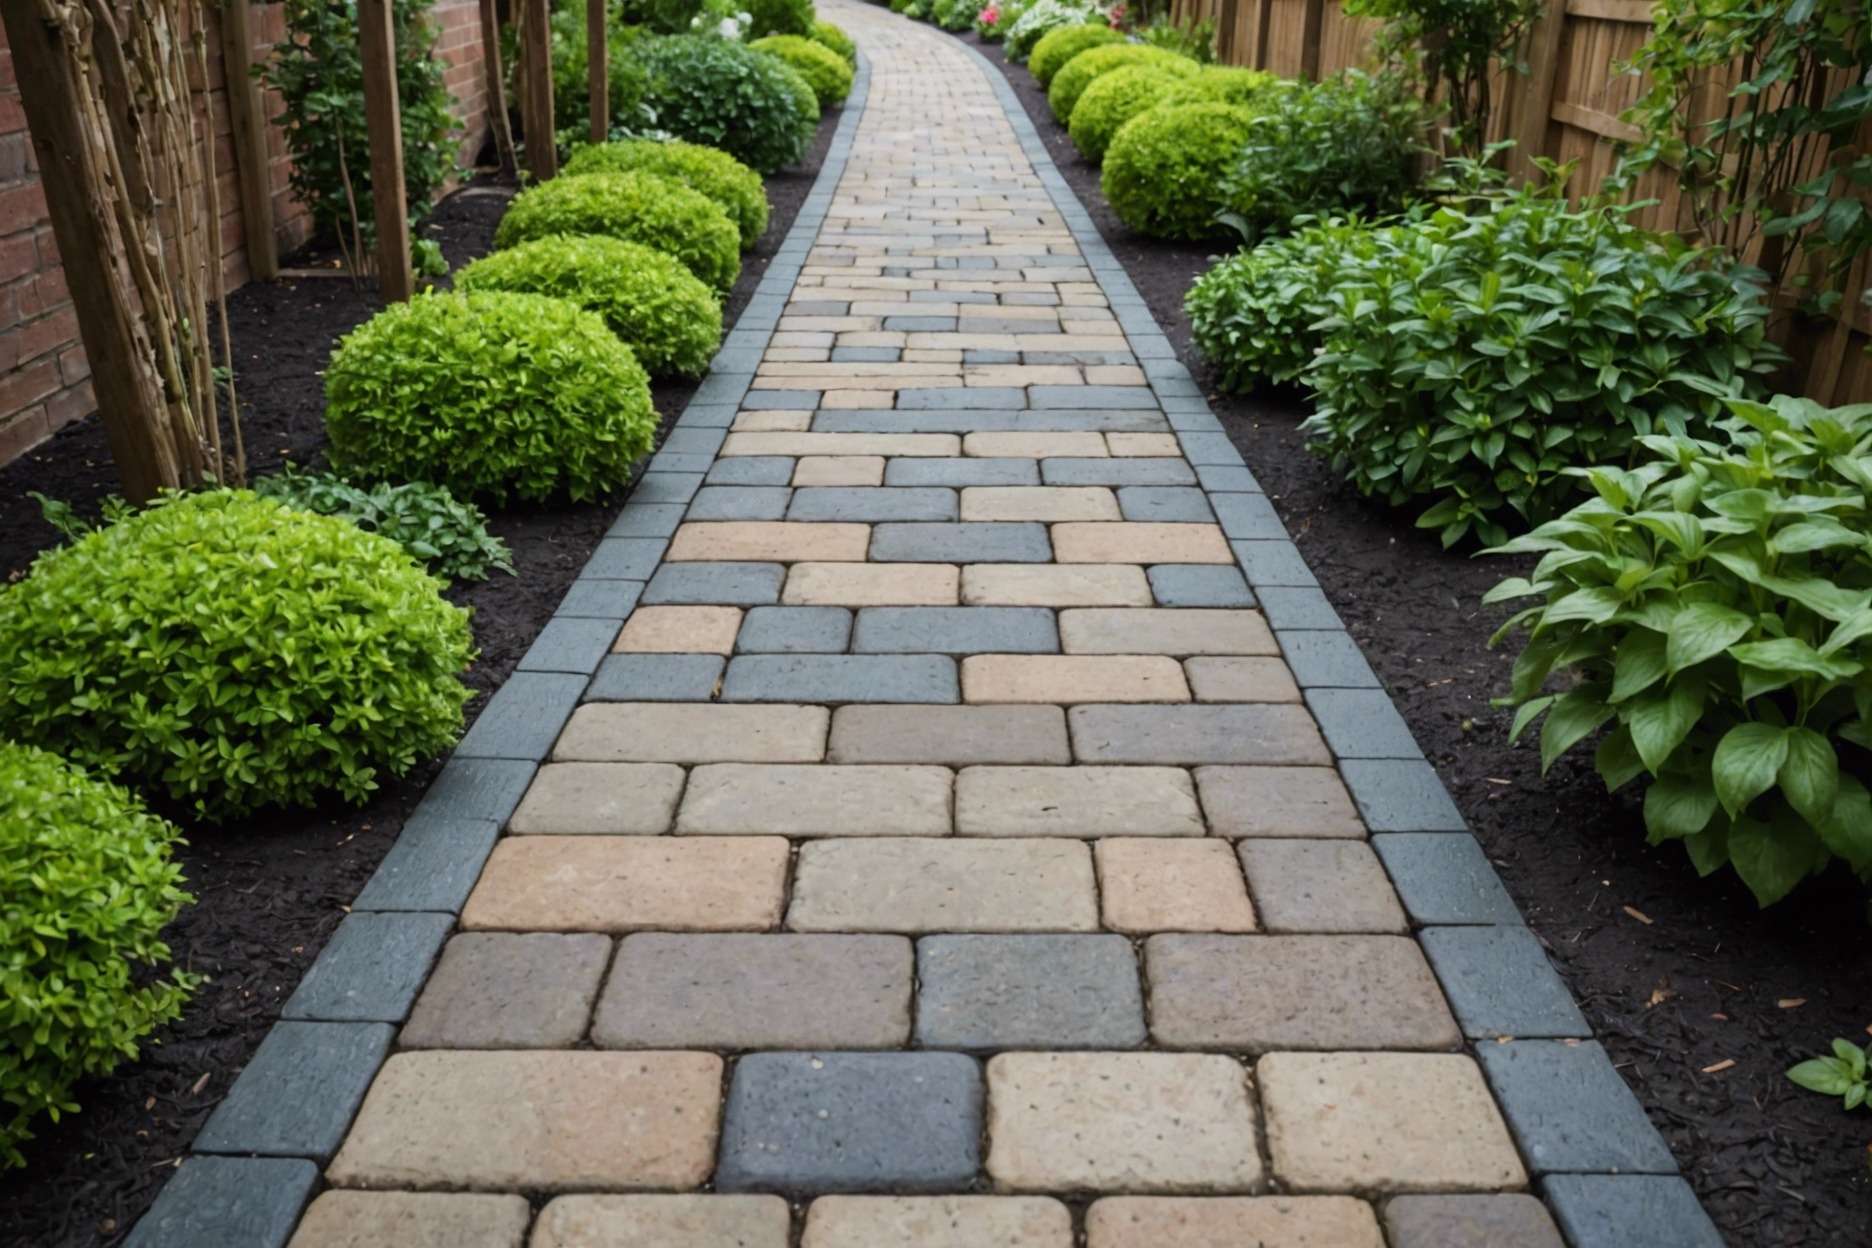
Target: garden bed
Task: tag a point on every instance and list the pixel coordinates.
(1676, 974)
(272, 888)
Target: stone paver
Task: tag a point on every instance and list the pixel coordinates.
(1241, 680)
(780, 542)
(645, 1221)
(629, 883)
(1055, 585)
(1064, 679)
(413, 1220)
(696, 733)
(1320, 886)
(1507, 1221)
(680, 630)
(735, 799)
(1232, 1222)
(1076, 801)
(873, 585)
(1277, 801)
(914, 884)
(1175, 886)
(614, 798)
(1028, 992)
(1246, 733)
(955, 736)
(937, 1222)
(509, 990)
(1156, 630)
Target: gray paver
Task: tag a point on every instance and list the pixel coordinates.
(1461, 1221)
(1110, 397)
(477, 788)
(740, 502)
(432, 866)
(1181, 735)
(1271, 564)
(1199, 585)
(851, 1122)
(955, 736)
(509, 990)
(523, 718)
(1028, 992)
(1209, 448)
(646, 519)
(1125, 470)
(794, 630)
(1326, 659)
(756, 470)
(666, 487)
(370, 969)
(1319, 886)
(624, 558)
(1248, 516)
(1624, 1210)
(961, 472)
(780, 400)
(1227, 479)
(841, 678)
(601, 600)
(1569, 1110)
(727, 584)
(985, 541)
(872, 503)
(1400, 795)
(1500, 983)
(656, 678)
(1290, 607)
(298, 1092)
(956, 630)
(1170, 504)
(227, 1202)
(1362, 723)
(573, 645)
(1444, 878)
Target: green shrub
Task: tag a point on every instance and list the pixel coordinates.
(625, 80)
(1042, 16)
(915, 10)
(956, 15)
(834, 37)
(1713, 608)
(86, 888)
(805, 99)
(1062, 43)
(1193, 37)
(1164, 169)
(1112, 100)
(735, 188)
(1077, 74)
(723, 94)
(233, 653)
(824, 70)
(637, 207)
(432, 525)
(671, 321)
(779, 17)
(1227, 84)
(492, 395)
(660, 17)
(1475, 356)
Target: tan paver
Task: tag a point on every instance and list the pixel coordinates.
(952, 736)
(1277, 801)
(1232, 1222)
(624, 799)
(1164, 630)
(1078, 802)
(1241, 680)
(1149, 885)
(773, 422)
(1401, 1122)
(925, 885)
(663, 1222)
(873, 585)
(535, 1121)
(1152, 445)
(839, 470)
(693, 732)
(1070, 678)
(802, 444)
(509, 990)
(627, 884)
(937, 1222)
(680, 630)
(340, 1219)
(857, 399)
(1036, 446)
(1054, 585)
(1039, 502)
(769, 541)
(1129, 1122)
(1140, 542)
(731, 799)
(1321, 886)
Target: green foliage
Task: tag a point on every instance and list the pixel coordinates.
(1077, 74)
(834, 37)
(1227, 84)
(779, 17)
(1341, 146)
(1713, 606)
(956, 15)
(669, 319)
(1062, 43)
(637, 207)
(1457, 45)
(735, 188)
(86, 888)
(1472, 357)
(915, 10)
(1842, 1075)
(319, 76)
(1165, 169)
(661, 17)
(625, 79)
(726, 95)
(1194, 38)
(805, 99)
(434, 526)
(1042, 16)
(233, 653)
(492, 395)
(824, 70)
(997, 16)
(1112, 100)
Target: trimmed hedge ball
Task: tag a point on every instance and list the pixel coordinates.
(1077, 74)
(1226, 84)
(671, 321)
(234, 653)
(724, 94)
(1061, 44)
(636, 207)
(1165, 169)
(834, 37)
(492, 394)
(824, 70)
(86, 887)
(735, 188)
(1114, 99)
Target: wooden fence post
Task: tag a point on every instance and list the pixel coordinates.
(1533, 108)
(1312, 25)
(1263, 22)
(497, 88)
(251, 161)
(598, 65)
(536, 89)
(384, 123)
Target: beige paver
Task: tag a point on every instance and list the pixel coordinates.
(841, 444)
(535, 1121)
(773, 422)
(629, 883)
(680, 630)
(1072, 678)
(1039, 502)
(509, 990)
(1259, 679)
(1321, 886)
(1035, 446)
(770, 541)
(1164, 630)
(1054, 585)
(645, 1221)
(839, 470)
(1140, 542)
(873, 584)
(1076, 801)
(339, 1219)
(857, 400)
(952, 736)
(927, 885)
(1277, 801)
(1402, 1122)
(1148, 885)
(1128, 1122)
(1154, 445)
(1232, 1222)
(937, 1222)
(693, 732)
(1114, 375)
(616, 798)
(732, 799)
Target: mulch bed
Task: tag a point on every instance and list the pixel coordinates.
(1676, 974)
(271, 890)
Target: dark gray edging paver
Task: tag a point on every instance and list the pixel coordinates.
(290, 1107)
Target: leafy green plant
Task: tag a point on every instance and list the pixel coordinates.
(725, 95)
(1077, 74)
(996, 16)
(1458, 46)
(669, 319)
(636, 207)
(834, 37)
(1042, 16)
(319, 76)
(779, 17)
(1112, 100)
(434, 526)
(661, 17)
(1062, 43)
(233, 653)
(492, 395)
(625, 79)
(86, 888)
(1842, 1075)
(1713, 608)
(1164, 169)
(1227, 84)
(735, 188)
(824, 70)
(1472, 357)
(1193, 37)
(956, 15)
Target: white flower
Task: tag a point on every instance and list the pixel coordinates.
(729, 28)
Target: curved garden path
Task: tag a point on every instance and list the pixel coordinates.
(921, 816)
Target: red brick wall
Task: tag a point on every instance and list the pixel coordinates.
(44, 379)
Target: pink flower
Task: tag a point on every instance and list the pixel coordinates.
(989, 16)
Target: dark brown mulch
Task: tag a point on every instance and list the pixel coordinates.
(271, 890)
(1677, 974)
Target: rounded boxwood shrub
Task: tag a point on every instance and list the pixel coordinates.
(1077, 74)
(805, 99)
(1227, 84)
(724, 94)
(671, 321)
(1062, 43)
(1164, 170)
(779, 17)
(637, 207)
(233, 653)
(824, 70)
(834, 37)
(490, 394)
(735, 188)
(1112, 100)
(86, 888)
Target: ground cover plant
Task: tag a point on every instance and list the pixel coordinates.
(1166, 169)
(441, 531)
(723, 94)
(1062, 43)
(636, 207)
(735, 188)
(825, 71)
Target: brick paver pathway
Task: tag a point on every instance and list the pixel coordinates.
(944, 844)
